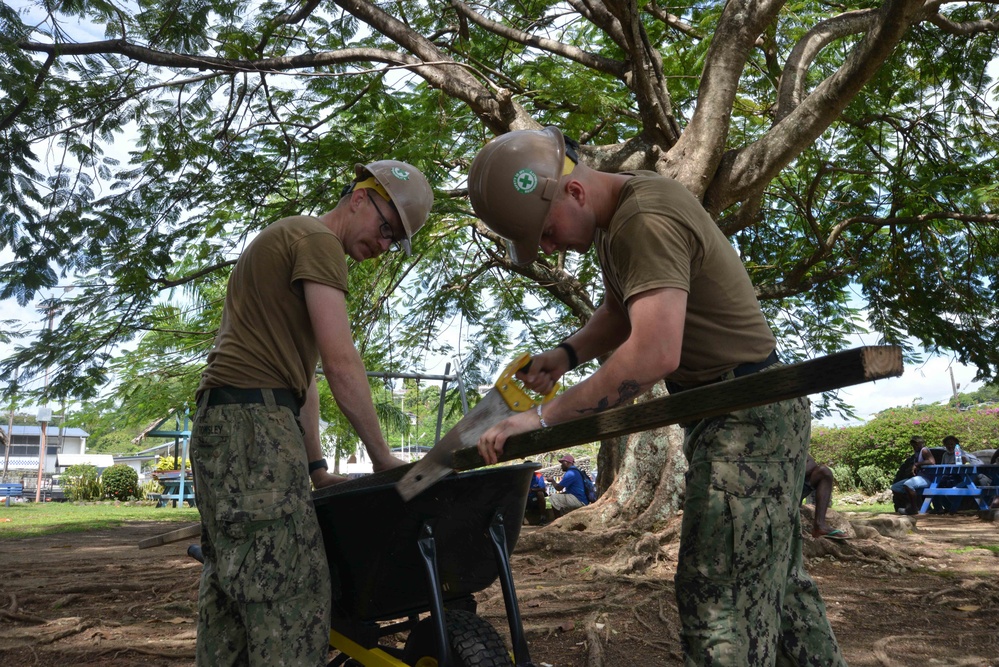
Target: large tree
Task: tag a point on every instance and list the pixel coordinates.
(849, 152)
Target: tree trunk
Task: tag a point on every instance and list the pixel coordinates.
(641, 478)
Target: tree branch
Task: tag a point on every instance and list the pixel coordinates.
(697, 153)
(792, 82)
(746, 171)
(647, 82)
(595, 62)
(176, 282)
(9, 119)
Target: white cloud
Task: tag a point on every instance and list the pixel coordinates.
(925, 383)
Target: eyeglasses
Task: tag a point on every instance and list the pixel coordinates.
(385, 228)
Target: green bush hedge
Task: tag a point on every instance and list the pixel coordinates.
(873, 480)
(120, 482)
(883, 442)
(844, 477)
(81, 483)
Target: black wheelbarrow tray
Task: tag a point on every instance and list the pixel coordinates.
(391, 561)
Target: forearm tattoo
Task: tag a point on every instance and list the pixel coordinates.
(628, 390)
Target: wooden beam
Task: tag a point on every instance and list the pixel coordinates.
(173, 536)
(778, 383)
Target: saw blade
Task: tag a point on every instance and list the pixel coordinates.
(436, 465)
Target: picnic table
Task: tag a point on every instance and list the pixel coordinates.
(960, 481)
(171, 483)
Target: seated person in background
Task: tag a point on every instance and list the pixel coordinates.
(571, 492)
(536, 504)
(951, 443)
(819, 478)
(911, 486)
(994, 460)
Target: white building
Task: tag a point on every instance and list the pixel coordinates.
(25, 444)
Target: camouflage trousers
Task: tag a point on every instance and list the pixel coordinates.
(265, 587)
(743, 594)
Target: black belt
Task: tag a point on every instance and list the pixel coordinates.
(235, 395)
(738, 371)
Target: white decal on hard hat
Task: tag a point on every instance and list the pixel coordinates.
(401, 174)
(524, 181)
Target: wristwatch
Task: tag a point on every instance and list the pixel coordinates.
(316, 465)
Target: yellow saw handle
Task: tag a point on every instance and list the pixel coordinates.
(513, 393)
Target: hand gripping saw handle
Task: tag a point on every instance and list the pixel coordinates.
(506, 398)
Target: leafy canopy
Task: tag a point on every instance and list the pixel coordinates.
(849, 153)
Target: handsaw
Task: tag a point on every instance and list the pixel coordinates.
(778, 383)
(506, 398)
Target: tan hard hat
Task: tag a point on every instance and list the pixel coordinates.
(512, 183)
(408, 191)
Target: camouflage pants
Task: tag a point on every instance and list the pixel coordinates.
(265, 587)
(743, 594)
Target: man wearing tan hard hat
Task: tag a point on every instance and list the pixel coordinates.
(678, 306)
(265, 587)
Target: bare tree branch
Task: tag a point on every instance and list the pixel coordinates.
(697, 153)
(599, 63)
(748, 170)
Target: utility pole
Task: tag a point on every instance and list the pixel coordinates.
(44, 417)
(10, 426)
(954, 387)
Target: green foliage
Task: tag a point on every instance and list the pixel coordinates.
(81, 483)
(167, 463)
(120, 482)
(149, 486)
(844, 477)
(872, 479)
(883, 442)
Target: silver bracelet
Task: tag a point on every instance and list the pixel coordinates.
(541, 419)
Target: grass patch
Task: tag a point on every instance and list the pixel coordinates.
(35, 519)
(876, 508)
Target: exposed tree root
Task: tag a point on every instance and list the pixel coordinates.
(76, 629)
(594, 646)
(102, 589)
(22, 618)
(172, 653)
(881, 652)
(65, 600)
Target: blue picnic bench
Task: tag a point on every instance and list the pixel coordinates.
(170, 481)
(961, 482)
(11, 490)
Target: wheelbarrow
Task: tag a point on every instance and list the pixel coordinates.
(393, 561)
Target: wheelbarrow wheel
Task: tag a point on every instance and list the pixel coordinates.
(474, 642)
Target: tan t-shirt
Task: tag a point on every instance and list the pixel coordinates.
(265, 339)
(660, 236)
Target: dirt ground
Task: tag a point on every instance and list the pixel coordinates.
(927, 597)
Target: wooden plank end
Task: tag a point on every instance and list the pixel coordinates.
(882, 361)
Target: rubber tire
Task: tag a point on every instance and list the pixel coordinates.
(474, 642)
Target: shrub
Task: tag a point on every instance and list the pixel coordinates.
(81, 483)
(149, 486)
(845, 481)
(872, 480)
(121, 482)
(883, 442)
(167, 463)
